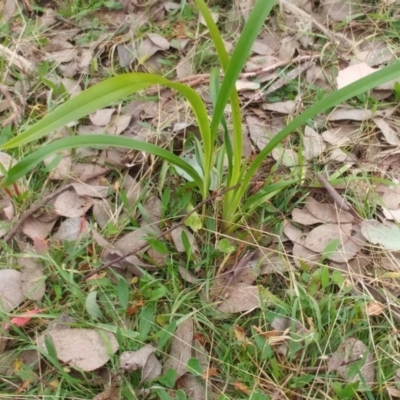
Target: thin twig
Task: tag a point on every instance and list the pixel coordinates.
(160, 236)
(201, 79)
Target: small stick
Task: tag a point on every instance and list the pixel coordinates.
(336, 197)
(161, 235)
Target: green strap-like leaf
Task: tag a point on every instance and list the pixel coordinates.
(29, 162)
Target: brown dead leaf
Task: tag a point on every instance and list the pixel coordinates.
(374, 308)
(35, 228)
(176, 236)
(288, 157)
(350, 351)
(341, 10)
(303, 255)
(71, 229)
(242, 297)
(292, 232)
(192, 386)
(181, 348)
(63, 167)
(341, 135)
(313, 144)
(263, 130)
(283, 107)
(304, 217)
(8, 10)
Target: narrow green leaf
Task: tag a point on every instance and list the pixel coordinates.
(30, 161)
(92, 306)
(362, 85)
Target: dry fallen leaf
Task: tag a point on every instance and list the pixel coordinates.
(328, 213)
(71, 229)
(143, 359)
(83, 348)
(11, 294)
(313, 143)
(176, 236)
(102, 117)
(32, 279)
(348, 353)
(242, 297)
(374, 308)
(181, 348)
(69, 204)
(388, 132)
(304, 217)
(378, 234)
(341, 10)
(288, 157)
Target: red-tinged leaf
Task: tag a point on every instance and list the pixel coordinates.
(22, 320)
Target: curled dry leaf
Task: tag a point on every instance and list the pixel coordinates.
(83, 348)
(349, 352)
(69, 204)
(181, 348)
(32, 279)
(11, 294)
(242, 297)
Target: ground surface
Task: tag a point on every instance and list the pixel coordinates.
(299, 302)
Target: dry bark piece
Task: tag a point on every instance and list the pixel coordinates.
(181, 348)
(82, 348)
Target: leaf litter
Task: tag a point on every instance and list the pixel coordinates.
(317, 224)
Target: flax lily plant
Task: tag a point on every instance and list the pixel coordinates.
(210, 153)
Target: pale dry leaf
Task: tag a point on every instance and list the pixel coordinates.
(327, 213)
(242, 297)
(8, 10)
(181, 348)
(304, 217)
(388, 132)
(69, 204)
(159, 41)
(214, 16)
(102, 213)
(71, 229)
(187, 275)
(244, 84)
(390, 195)
(317, 76)
(263, 130)
(340, 156)
(184, 68)
(283, 107)
(193, 388)
(393, 215)
(352, 350)
(90, 189)
(271, 262)
(130, 361)
(379, 234)
(126, 54)
(83, 172)
(34, 228)
(135, 239)
(11, 294)
(341, 10)
(133, 190)
(6, 161)
(351, 114)
(86, 349)
(118, 124)
(288, 157)
(292, 232)
(261, 48)
(32, 279)
(303, 255)
(71, 86)
(152, 369)
(353, 73)
(313, 144)
(63, 168)
(374, 52)
(146, 49)
(6, 210)
(341, 135)
(319, 238)
(288, 47)
(102, 117)
(154, 208)
(176, 236)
